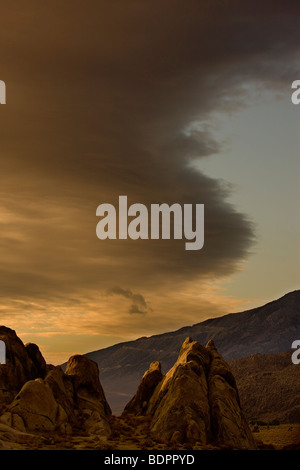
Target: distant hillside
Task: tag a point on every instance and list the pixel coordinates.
(269, 387)
(268, 329)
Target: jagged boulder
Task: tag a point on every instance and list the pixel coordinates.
(35, 409)
(196, 401)
(228, 422)
(37, 358)
(179, 406)
(89, 394)
(63, 391)
(139, 403)
(22, 364)
(61, 401)
(36, 397)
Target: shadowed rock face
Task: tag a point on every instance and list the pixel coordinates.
(196, 400)
(150, 380)
(89, 395)
(228, 423)
(36, 356)
(23, 363)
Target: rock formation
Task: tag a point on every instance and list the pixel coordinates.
(273, 328)
(39, 398)
(228, 423)
(196, 401)
(35, 409)
(89, 396)
(150, 380)
(23, 363)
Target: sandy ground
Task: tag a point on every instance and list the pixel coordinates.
(284, 435)
(132, 433)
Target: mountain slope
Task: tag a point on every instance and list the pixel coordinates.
(269, 387)
(268, 329)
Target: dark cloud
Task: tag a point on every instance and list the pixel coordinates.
(100, 98)
(139, 304)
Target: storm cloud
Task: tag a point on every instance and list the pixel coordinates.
(110, 98)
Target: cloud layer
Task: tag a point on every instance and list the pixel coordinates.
(104, 100)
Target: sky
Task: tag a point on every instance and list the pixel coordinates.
(176, 101)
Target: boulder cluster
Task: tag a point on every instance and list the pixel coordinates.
(36, 397)
(196, 401)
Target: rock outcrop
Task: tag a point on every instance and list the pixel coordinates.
(138, 404)
(195, 401)
(40, 398)
(35, 409)
(228, 423)
(22, 364)
(89, 395)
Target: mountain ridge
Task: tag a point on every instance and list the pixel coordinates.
(209, 321)
(270, 328)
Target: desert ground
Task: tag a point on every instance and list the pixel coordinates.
(133, 433)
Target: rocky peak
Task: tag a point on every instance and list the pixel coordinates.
(22, 364)
(196, 400)
(150, 380)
